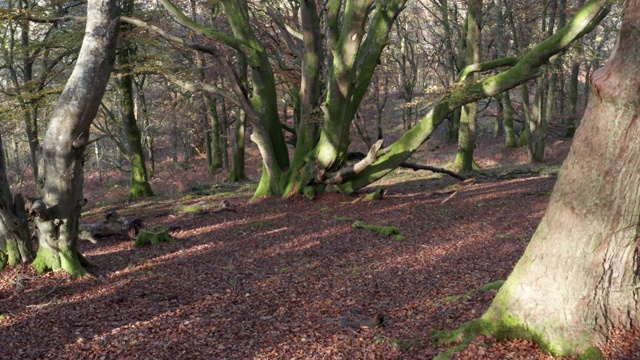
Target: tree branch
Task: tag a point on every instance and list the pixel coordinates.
(286, 31)
(416, 167)
(184, 20)
(202, 86)
(486, 66)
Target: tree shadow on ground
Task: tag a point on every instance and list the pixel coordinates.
(272, 280)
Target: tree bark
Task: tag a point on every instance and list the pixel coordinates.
(57, 214)
(578, 278)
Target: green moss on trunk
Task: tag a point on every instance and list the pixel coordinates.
(138, 189)
(71, 261)
(66, 259)
(10, 255)
(46, 259)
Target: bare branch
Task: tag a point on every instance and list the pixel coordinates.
(286, 31)
(202, 86)
(416, 167)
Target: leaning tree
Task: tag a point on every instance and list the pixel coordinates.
(57, 213)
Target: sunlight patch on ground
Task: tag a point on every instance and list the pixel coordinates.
(193, 250)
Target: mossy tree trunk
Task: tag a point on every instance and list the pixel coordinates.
(578, 278)
(267, 133)
(224, 134)
(357, 32)
(451, 71)
(463, 162)
(510, 132)
(57, 214)
(539, 116)
(354, 59)
(307, 101)
(139, 185)
(15, 242)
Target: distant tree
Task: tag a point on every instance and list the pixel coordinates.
(139, 185)
(578, 278)
(57, 213)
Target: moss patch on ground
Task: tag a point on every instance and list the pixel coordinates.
(380, 229)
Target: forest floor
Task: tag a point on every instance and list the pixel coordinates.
(277, 278)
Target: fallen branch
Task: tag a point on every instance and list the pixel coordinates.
(416, 167)
(408, 165)
(114, 224)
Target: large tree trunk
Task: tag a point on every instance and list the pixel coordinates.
(578, 279)
(57, 213)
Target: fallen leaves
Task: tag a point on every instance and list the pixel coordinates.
(274, 278)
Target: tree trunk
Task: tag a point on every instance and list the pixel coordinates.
(306, 103)
(216, 149)
(578, 278)
(15, 242)
(354, 59)
(267, 132)
(148, 130)
(498, 125)
(139, 185)
(224, 138)
(463, 162)
(237, 172)
(57, 214)
(510, 138)
(570, 123)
